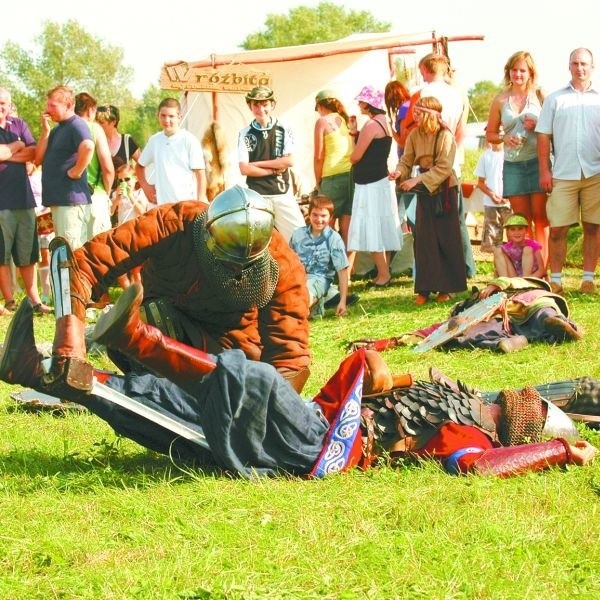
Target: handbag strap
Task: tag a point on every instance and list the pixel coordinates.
(435, 143)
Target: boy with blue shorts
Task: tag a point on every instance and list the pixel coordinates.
(322, 252)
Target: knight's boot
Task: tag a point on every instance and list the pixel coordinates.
(515, 460)
(21, 362)
(69, 366)
(122, 329)
(79, 291)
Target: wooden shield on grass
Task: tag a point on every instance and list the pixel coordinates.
(457, 324)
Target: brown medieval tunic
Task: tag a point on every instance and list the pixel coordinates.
(439, 256)
(162, 241)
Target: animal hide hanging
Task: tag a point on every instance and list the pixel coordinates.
(215, 151)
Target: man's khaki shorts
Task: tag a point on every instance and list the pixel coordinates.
(570, 199)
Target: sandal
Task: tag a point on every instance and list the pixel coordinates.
(4, 312)
(11, 305)
(41, 309)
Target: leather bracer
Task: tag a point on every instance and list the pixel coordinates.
(515, 460)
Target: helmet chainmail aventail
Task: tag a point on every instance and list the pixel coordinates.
(253, 286)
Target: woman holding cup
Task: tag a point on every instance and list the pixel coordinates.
(515, 111)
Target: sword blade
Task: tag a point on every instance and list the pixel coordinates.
(147, 412)
(59, 279)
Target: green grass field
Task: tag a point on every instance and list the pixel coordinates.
(88, 515)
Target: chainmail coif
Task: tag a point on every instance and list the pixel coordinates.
(522, 417)
(253, 286)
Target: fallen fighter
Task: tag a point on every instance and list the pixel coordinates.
(527, 312)
(254, 422)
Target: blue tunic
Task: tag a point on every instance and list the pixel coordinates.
(253, 420)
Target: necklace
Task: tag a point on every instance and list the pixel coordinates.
(518, 102)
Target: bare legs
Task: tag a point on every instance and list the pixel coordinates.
(344, 225)
(44, 270)
(381, 260)
(558, 248)
(590, 246)
(29, 276)
(503, 267)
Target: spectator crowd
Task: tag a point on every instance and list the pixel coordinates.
(540, 175)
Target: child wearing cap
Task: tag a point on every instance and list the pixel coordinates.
(265, 154)
(520, 256)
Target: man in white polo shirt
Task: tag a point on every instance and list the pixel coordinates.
(570, 124)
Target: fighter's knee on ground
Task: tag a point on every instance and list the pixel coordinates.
(297, 379)
(378, 377)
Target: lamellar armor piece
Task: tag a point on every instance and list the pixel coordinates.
(421, 409)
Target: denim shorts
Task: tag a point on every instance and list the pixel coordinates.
(521, 178)
(340, 188)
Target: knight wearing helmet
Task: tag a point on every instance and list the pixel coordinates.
(214, 277)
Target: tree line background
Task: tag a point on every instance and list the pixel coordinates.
(66, 54)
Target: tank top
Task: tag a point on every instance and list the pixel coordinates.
(94, 171)
(512, 122)
(373, 164)
(338, 148)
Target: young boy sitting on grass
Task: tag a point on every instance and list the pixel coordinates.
(322, 252)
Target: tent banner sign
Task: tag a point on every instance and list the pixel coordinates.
(232, 78)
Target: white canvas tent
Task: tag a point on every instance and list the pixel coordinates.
(214, 88)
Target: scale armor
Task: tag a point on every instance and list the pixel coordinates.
(421, 409)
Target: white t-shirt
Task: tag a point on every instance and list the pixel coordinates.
(174, 159)
(490, 166)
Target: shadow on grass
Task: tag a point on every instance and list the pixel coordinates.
(34, 470)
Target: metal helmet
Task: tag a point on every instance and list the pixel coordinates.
(559, 424)
(240, 225)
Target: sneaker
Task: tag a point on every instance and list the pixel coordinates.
(513, 343)
(562, 329)
(352, 299)
(587, 287)
(556, 288)
(334, 301)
